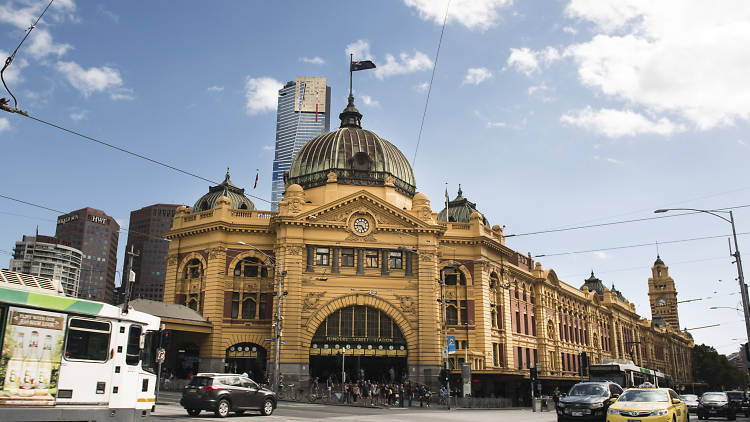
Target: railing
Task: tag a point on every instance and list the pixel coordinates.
(353, 177)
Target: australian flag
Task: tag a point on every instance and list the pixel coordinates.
(362, 65)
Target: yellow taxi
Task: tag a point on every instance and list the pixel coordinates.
(648, 404)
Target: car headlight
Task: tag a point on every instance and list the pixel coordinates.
(660, 412)
(613, 411)
(597, 405)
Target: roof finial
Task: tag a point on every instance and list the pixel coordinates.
(460, 192)
(351, 117)
(592, 273)
(226, 178)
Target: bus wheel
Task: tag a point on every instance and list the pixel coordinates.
(222, 408)
(194, 412)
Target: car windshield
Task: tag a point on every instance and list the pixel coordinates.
(644, 396)
(689, 397)
(588, 390)
(200, 381)
(714, 397)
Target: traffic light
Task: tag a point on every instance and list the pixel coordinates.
(532, 374)
(444, 374)
(165, 338)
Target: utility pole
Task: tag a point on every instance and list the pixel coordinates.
(128, 278)
(277, 334)
(445, 339)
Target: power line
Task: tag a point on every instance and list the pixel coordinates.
(639, 245)
(640, 267)
(429, 88)
(10, 58)
(134, 154)
(612, 223)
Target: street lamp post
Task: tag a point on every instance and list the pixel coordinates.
(736, 255)
(445, 339)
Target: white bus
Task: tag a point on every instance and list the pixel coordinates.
(68, 359)
(625, 373)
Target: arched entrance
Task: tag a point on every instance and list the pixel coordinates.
(365, 339)
(246, 357)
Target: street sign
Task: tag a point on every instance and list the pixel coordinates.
(445, 352)
(451, 344)
(269, 339)
(282, 342)
(160, 355)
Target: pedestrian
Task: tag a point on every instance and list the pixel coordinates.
(443, 394)
(421, 395)
(556, 395)
(401, 395)
(410, 392)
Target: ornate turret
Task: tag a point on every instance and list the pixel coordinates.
(593, 284)
(236, 196)
(460, 210)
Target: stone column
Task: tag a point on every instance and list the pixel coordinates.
(310, 257)
(360, 261)
(407, 261)
(384, 262)
(334, 260)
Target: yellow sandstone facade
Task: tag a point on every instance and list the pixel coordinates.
(360, 256)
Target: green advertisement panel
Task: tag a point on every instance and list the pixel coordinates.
(32, 349)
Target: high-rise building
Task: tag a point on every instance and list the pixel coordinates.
(145, 235)
(95, 234)
(48, 257)
(304, 111)
(662, 295)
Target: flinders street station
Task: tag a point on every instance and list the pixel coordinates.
(358, 268)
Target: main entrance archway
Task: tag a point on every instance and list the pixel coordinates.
(365, 340)
(247, 358)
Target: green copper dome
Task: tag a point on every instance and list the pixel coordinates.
(237, 198)
(356, 155)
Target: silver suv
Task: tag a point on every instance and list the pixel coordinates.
(224, 393)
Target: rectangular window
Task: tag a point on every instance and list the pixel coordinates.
(321, 256)
(533, 325)
(347, 257)
(396, 260)
(526, 323)
(520, 358)
(501, 354)
(518, 322)
(464, 313)
(235, 305)
(536, 357)
(499, 317)
(133, 348)
(371, 258)
(263, 306)
(528, 357)
(494, 354)
(87, 340)
(248, 305)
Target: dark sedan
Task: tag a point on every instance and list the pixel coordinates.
(224, 393)
(588, 401)
(716, 404)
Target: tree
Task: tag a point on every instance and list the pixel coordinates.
(716, 370)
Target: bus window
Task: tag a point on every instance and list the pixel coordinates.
(87, 340)
(149, 351)
(133, 352)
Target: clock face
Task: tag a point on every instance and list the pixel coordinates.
(661, 302)
(361, 225)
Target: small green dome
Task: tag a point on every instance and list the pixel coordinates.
(460, 210)
(356, 155)
(237, 198)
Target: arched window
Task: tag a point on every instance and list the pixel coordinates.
(453, 276)
(250, 268)
(248, 306)
(494, 281)
(493, 315)
(193, 269)
(243, 206)
(204, 205)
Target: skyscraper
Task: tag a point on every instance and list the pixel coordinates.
(95, 234)
(48, 257)
(304, 111)
(145, 235)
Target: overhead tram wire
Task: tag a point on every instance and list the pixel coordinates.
(612, 223)
(63, 212)
(639, 245)
(429, 87)
(134, 154)
(10, 58)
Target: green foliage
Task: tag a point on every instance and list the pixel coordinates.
(716, 370)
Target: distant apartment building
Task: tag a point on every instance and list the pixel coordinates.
(304, 111)
(48, 257)
(145, 235)
(95, 234)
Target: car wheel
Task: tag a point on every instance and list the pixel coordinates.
(267, 408)
(194, 412)
(222, 408)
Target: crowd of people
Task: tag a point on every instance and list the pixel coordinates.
(373, 393)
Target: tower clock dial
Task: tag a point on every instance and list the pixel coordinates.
(361, 225)
(661, 302)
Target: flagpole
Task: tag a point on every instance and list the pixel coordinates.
(351, 58)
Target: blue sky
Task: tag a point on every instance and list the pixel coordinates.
(549, 113)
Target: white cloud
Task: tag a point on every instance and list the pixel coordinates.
(477, 75)
(79, 115)
(268, 148)
(360, 49)
(94, 80)
(601, 255)
(13, 72)
(261, 94)
(496, 124)
(422, 87)
(528, 61)
(313, 60)
(473, 14)
(541, 91)
(122, 94)
(215, 88)
(618, 123)
(403, 65)
(367, 100)
(741, 142)
(570, 30)
(4, 124)
(42, 45)
(613, 160)
(678, 56)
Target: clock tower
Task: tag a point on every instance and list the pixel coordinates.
(662, 294)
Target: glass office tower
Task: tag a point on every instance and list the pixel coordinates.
(304, 111)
